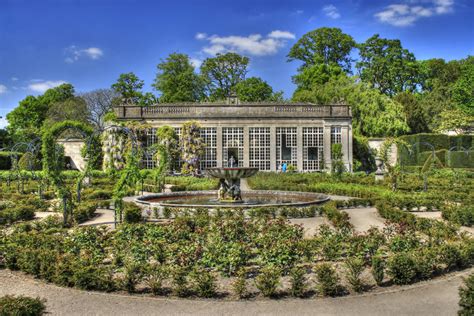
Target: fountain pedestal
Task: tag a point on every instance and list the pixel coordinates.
(229, 183)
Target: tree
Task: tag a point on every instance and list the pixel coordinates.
(326, 46)
(99, 103)
(416, 116)
(373, 114)
(222, 73)
(128, 87)
(255, 90)
(463, 89)
(177, 81)
(318, 74)
(5, 139)
(436, 72)
(385, 65)
(455, 120)
(26, 119)
(74, 108)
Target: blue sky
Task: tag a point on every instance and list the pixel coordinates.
(90, 42)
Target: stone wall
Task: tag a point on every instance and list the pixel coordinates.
(72, 149)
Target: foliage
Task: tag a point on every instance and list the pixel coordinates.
(268, 280)
(155, 275)
(387, 66)
(328, 281)
(337, 164)
(177, 81)
(402, 268)
(298, 281)
(128, 87)
(74, 108)
(132, 213)
(466, 293)
(204, 283)
(455, 120)
(26, 120)
(21, 306)
(355, 267)
(378, 266)
(222, 73)
(192, 146)
(323, 46)
(99, 103)
(417, 116)
(239, 285)
(462, 215)
(463, 88)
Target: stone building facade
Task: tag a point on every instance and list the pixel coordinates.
(261, 135)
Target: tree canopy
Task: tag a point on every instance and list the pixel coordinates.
(255, 89)
(177, 81)
(326, 45)
(222, 73)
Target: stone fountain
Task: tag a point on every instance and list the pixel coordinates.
(229, 181)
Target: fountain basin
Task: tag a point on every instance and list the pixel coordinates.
(251, 199)
(231, 173)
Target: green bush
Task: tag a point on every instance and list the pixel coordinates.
(155, 275)
(268, 280)
(239, 286)
(132, 275)
(327, 280)
(298, 281)
(21, 306)
(354, 269)
(466, 294)
(451, 256)
(402, 268)
(132, 213)
(84, 211)
(461, 215)
(204, 283)
(180, 281)
(378, 267)
(91, 276)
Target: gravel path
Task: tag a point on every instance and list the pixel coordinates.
(365, 218)
(310, 225)
(437, 297)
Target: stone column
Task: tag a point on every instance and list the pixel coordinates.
(345, 147)
(327, 147)
(273, 166)
(219, 146)
(299, 148)
(350, 148)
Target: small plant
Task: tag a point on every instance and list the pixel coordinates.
(268, 280)
(402, 268)
(180, 281)
(132, 276)
(21, 306)
(378, 266)
(466, 293)
(239, 285)
(328, 281)
(298, 281)
(132, 213)
(155, 275)
(354, 267)
(204, 283)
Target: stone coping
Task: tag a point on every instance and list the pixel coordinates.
(318, 199)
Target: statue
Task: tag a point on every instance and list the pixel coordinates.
(231, 162)
(223, 189)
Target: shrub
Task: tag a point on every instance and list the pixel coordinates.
(204, 283)
(132, 276)
(466, 294)
(378, 266)
(239, 285)
(90, 276)
(84, 212)
(354, 267)
(132, 213)
(402, 268)
(180, 281)
(155, 275)
(267, 280)
(21, 306)
(451, 256)
(461, 215)
(298, 281)
(327, 280)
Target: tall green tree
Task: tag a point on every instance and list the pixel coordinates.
(26, 120)
(222, 73)
(416, 116)
(385, 65)
(326, 45)
(177, 81)
(463, 89)
(74, 109)
(437, 72)
(318, 74)
(373, 113)
(255, 89)
(129, 88)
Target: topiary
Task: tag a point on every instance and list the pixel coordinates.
(402, 268)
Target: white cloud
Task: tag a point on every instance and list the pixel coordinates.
(405, 14)
(201, 36)
(44, 85)
(3, 89)
(281, 35)
(196, 62)
(3, 122)
(331, 11)
(254, 44)
(14, 79)
(75, 53)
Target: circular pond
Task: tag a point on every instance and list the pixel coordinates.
(208, 199)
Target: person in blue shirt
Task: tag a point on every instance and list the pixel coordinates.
(283, 167)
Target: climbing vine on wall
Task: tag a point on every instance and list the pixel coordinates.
(192, 147)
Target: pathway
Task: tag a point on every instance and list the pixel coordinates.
(310, 225)
(364, 218)
(437, 297)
